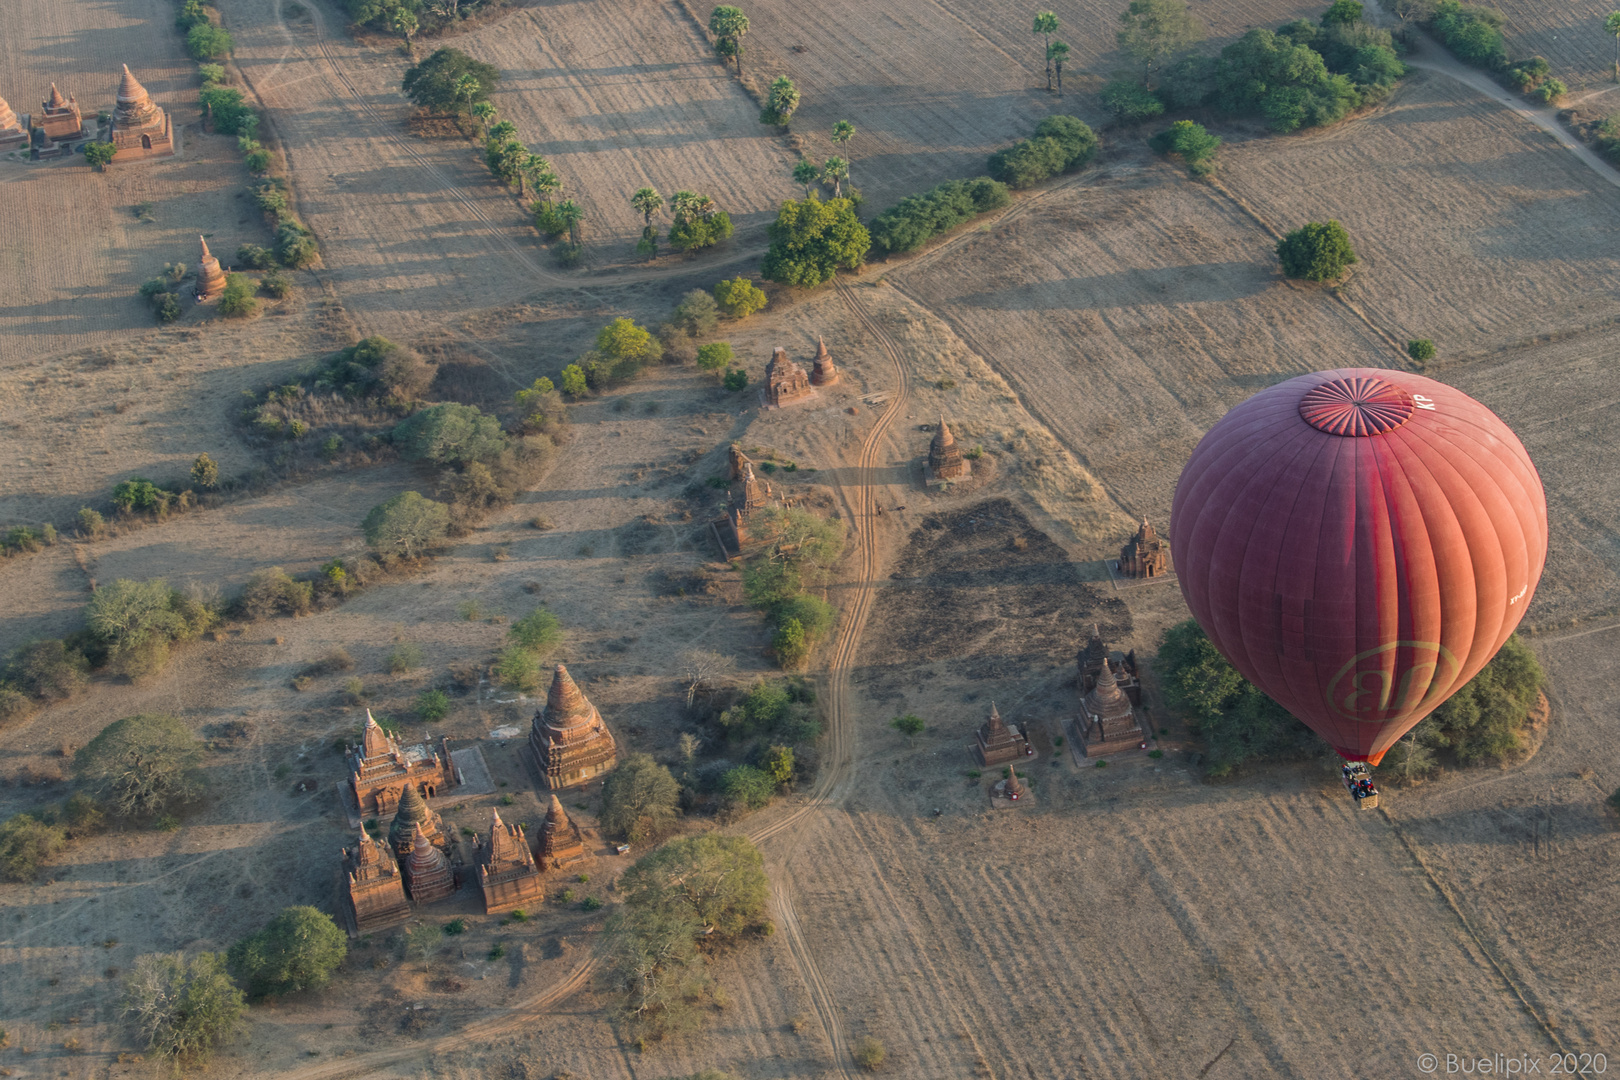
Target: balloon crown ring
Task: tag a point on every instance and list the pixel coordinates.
(1357, 406)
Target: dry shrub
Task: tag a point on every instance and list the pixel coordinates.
(273, 590)
(333, 662)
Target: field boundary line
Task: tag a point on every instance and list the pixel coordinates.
(1479, 942)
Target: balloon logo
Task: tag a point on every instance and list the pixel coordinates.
(1359, 543)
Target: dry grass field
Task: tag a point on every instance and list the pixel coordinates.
(1569, 34)
(1122, 921)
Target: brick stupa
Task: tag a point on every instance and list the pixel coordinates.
(12, 132)
(997, 743)
(571, 744)
(1095, 653)
(210, 278)
(785, 381)
(1145, 555)
(1107, 721)
(373, 889)
(824, 373)
(749, 495)
(561, 844)
(59, 117)
(428, 875)
(507, 873)
(945, 460)
(413, 816)
(140, 129)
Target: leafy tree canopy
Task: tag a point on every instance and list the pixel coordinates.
(182, 1009)
(433, 84)
(141, 765)
(1151, 30)
(811, 241)
(639, 799)
(738, 297)
(916, 219)
(449, 434)
(406, 525)
(1317, 251)
(298, 950)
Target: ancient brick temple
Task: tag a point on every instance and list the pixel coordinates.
(379, 771)
(998, 743)
(945, 460)
(785, 381)
(1107, 721)
(561, 844)
(749, 494)
(1095, 653)
(12, 132)
(210, 278)
(413, 815)
(824, 373)
(59, 117)
(373, 888)
(428, 874)
(507, 873)
(571, 744)
(140, 128)
(1145, 554)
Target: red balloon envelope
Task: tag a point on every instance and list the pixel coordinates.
(1359, 543)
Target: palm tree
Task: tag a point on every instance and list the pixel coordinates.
(842, 132)
(836, 170)
(405, 24)
(729, 24)
(1056, 54)
(806, 173)
(1612, 25)
(649, 202)
(545, 180)
(467, 87)
(483, 112)
(570, 215)
(1046, 24)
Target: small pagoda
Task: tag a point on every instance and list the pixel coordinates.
(749, 494)
(945, 460)
(571, 744)
(373, 889)
(413, 816)
(13, 133)
(1010, 787)
(428, 874)
(1144, 555)
(380, 771)
(59, 117)
(823, 373)
(1095, 654)
(561, 844)
(785, 381)
(140, 129)
(210, 278)
(1107, 722)
(998, 743)
(507, 874)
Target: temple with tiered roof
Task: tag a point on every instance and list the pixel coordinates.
(507, 873)
(412, 816)
(59, 117)
(1108, 724)
(945, 460)
(785, 380)
(998, 742)
(13, 132)
(380, 771)
(1144, 555)
(140, 129)
(561, 844)
(373, 892)
(570, 742)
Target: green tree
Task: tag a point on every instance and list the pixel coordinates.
(647, 202)
(569, 216)
(538, 631)
(746, 788)
(518, 669)
(136, 620)
(182, 1009)
(295, 245)
(698, 222)
(791, 645)
(728, 24)
(1046, 24)
(141, 766)
(640, 799)
(405, 25)
(49, 670)
(738, 297)
(811, 241)
(432, 706)
(139, 495)
(297, 950)
(1317, 251)
(204, 472)
(842, 132)
(1190, 142)
(652, 954)
(435, 83)
(734, 380)
(449, 434)
(26, 844)
(806, 174)
(623, 342)
(1420, 349)
(1343, 13)
(1611, 24)
(1060, 144)
(484, 113)
(836, 170)
(714, 357)
(910, 725)
(1151, 30)
(777, 763)
(573, 381)
(98, 155)
(780, 102)
(238, 301)
(406, 525)
(206, 41)
(718, 880)
(1058, 53)
(1130, 101)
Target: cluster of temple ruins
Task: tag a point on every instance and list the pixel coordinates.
(139, 127)
(419, 862)
(786, 382)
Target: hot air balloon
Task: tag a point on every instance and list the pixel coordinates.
(1359, 543)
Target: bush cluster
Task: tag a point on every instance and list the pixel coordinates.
(1473, 34)
(1316, 251)
(431, 18)
(810, 241)
(916, 219)
(1060, 144)
(797, 549)
(374, 367)
(1191, 143)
